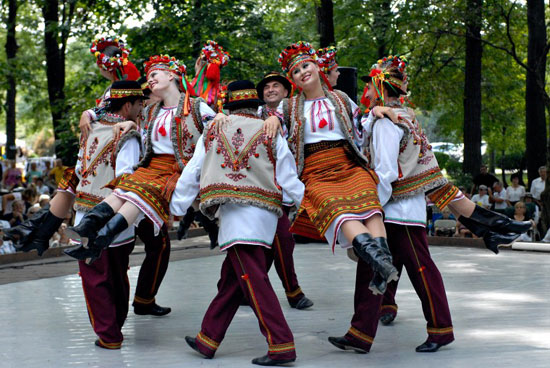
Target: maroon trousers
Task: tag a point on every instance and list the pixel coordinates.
(388, 302)
(409, 248)
(107, 291)
(155, 264)
(243, 274)
(281, 254)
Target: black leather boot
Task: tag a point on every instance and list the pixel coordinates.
(378, 284)
(23, 232)
(106, 235)
(211, 228)
(376, 253)
(498, 222)
(185, 224)
(39, 238)
(87, 228)
(491, 239)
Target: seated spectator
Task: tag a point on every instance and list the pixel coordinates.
(532, 208)
(537, 186)
(446, 225)
(515, 191)
(12, 176)
(32, 173)
(34, 209)
(497, 196)
(43, 200)
(17, 215)
(6, 246)
(482, 198)
(41, 188)
(56, 174)
(520, 214)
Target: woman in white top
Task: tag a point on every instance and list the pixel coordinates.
(515, 191)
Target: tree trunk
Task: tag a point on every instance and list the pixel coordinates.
(11, 51)
(196, 30)
(55, 71)
(325, 23)
(382, 20)
(535, 119)
(472, 89)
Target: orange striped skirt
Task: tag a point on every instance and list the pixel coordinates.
(335, 185)
(154, 184)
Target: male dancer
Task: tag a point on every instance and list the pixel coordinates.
(102, 158)
(272, 89)
(241, 173)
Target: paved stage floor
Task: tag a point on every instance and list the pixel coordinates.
(500, 307)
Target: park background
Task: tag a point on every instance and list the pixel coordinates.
(477, 68)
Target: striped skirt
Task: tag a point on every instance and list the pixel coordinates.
(150, 188)
(335, 187)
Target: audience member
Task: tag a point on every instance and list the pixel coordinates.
(41, 188)
(520, 214)
(537, 186)
(497, 196)
(6, 246)
(515, 191)
(32, 173)
(481, 198)
(446, 225)
(56, 174)
(17, 215)
(532, 207)
(12, 176)
(483, 178)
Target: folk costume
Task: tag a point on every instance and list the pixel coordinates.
(281, 252)
(241, 176)
(101, 159)
(36, 232)
(207, 80)
(172, 132)
(326, 59)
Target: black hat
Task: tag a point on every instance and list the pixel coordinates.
(242, 94)
(124, 89)
(273, 76)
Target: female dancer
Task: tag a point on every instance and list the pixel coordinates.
(111, 56)
(173, 128)
(340, 201)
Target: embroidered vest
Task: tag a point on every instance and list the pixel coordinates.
(98, 161)
(239, 167)
(418, 168)
(293, 109)
(185, 131)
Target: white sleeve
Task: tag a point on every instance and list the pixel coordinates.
(207, 113)
(386, 139)
(286, 174)
(188, 185)
(127, 157)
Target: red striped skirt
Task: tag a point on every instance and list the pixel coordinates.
(335, 185)
(154, 184)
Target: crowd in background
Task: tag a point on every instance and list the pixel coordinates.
(26, 187)
(513, 201)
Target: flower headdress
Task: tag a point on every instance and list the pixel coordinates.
(207, 80)
(326, 58)
(170, 64)
(119, 62)
(296, 54)
(387, 72)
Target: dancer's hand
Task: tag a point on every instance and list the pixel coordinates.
(124, 127)
(380, 111)
(220, 121)
(85, 123)
(271, 126)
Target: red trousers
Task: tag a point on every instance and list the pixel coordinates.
(243, 274)
(388, 302)
(107, 291)
(409, 248)
(281, 255)
(155, 264)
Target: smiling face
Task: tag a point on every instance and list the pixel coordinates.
(159, 80)
(306, 75)
(371, 95)
(274, 92)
